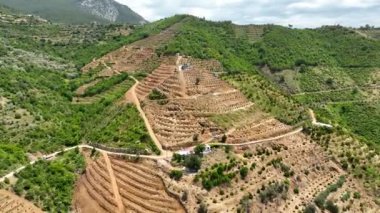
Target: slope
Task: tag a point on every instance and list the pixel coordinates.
(77, 11)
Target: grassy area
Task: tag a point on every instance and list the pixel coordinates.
(50, 184)
(105, 84)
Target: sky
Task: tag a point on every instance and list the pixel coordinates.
(299, 13)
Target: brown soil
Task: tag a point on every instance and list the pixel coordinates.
(115, 188)
(194, 92)
(11, 203)
(297, 152)
(115, 185)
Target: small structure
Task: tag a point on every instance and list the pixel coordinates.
(207, 149)
(184, 152)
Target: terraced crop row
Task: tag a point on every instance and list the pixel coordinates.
(141, 189)
(115, 90)
(97, 183)
(9, 203)
(254, 131)
(127, 58)
(157, 77)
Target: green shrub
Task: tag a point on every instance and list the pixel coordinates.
(357, 195)
(199, 149)
(321, 197)
(176, 174)
(272, 191)
(331, 207)
(243, 172)
(156, 95)
(310, 208)
(193, 162)
(296, 190)
(17, 116)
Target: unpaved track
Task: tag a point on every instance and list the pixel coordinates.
(315, 122)
(115, 188)
(371, 86)
(167, 155)
(131, 95)
(296, 131)
(181, 77)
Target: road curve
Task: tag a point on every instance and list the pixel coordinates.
(52, 155)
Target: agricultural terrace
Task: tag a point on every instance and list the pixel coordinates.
(181, 100)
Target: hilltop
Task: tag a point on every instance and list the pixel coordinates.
(77, 11)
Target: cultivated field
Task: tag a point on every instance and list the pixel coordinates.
(113, 184)
(11, 203)
(179, 99)
(295, 162)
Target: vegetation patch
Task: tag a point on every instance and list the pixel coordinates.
(273, 190)
(105, 85)
(320, 200)
(11, 156)
(50, 184)
(156, 95)
(192, 162)
(121, 127)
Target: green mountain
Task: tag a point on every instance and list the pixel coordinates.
(77, 11)
(334, 71)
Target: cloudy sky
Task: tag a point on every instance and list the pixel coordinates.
(300, 13)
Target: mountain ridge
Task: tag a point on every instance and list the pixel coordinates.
(77, 11)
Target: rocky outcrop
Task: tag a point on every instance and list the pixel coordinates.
(111, 11)
(105, 9)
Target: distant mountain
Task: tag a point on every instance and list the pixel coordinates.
(77, 11)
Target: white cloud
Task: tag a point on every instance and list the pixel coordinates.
(300, 13)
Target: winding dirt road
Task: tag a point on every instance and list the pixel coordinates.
(132, 96)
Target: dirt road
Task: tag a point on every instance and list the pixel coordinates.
(115, 188)
(181, 76)
(132, 96)
(167, 155)
(315, 122)
(296, 131)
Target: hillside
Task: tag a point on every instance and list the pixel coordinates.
(185, 114)
(77, 11)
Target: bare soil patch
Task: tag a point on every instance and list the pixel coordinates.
(9, 202)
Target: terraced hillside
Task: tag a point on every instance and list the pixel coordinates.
(113, 184)
(190, 94)
(13, 204)
(136, 56)
(172, 87)
(252, 32)
(284, 175)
